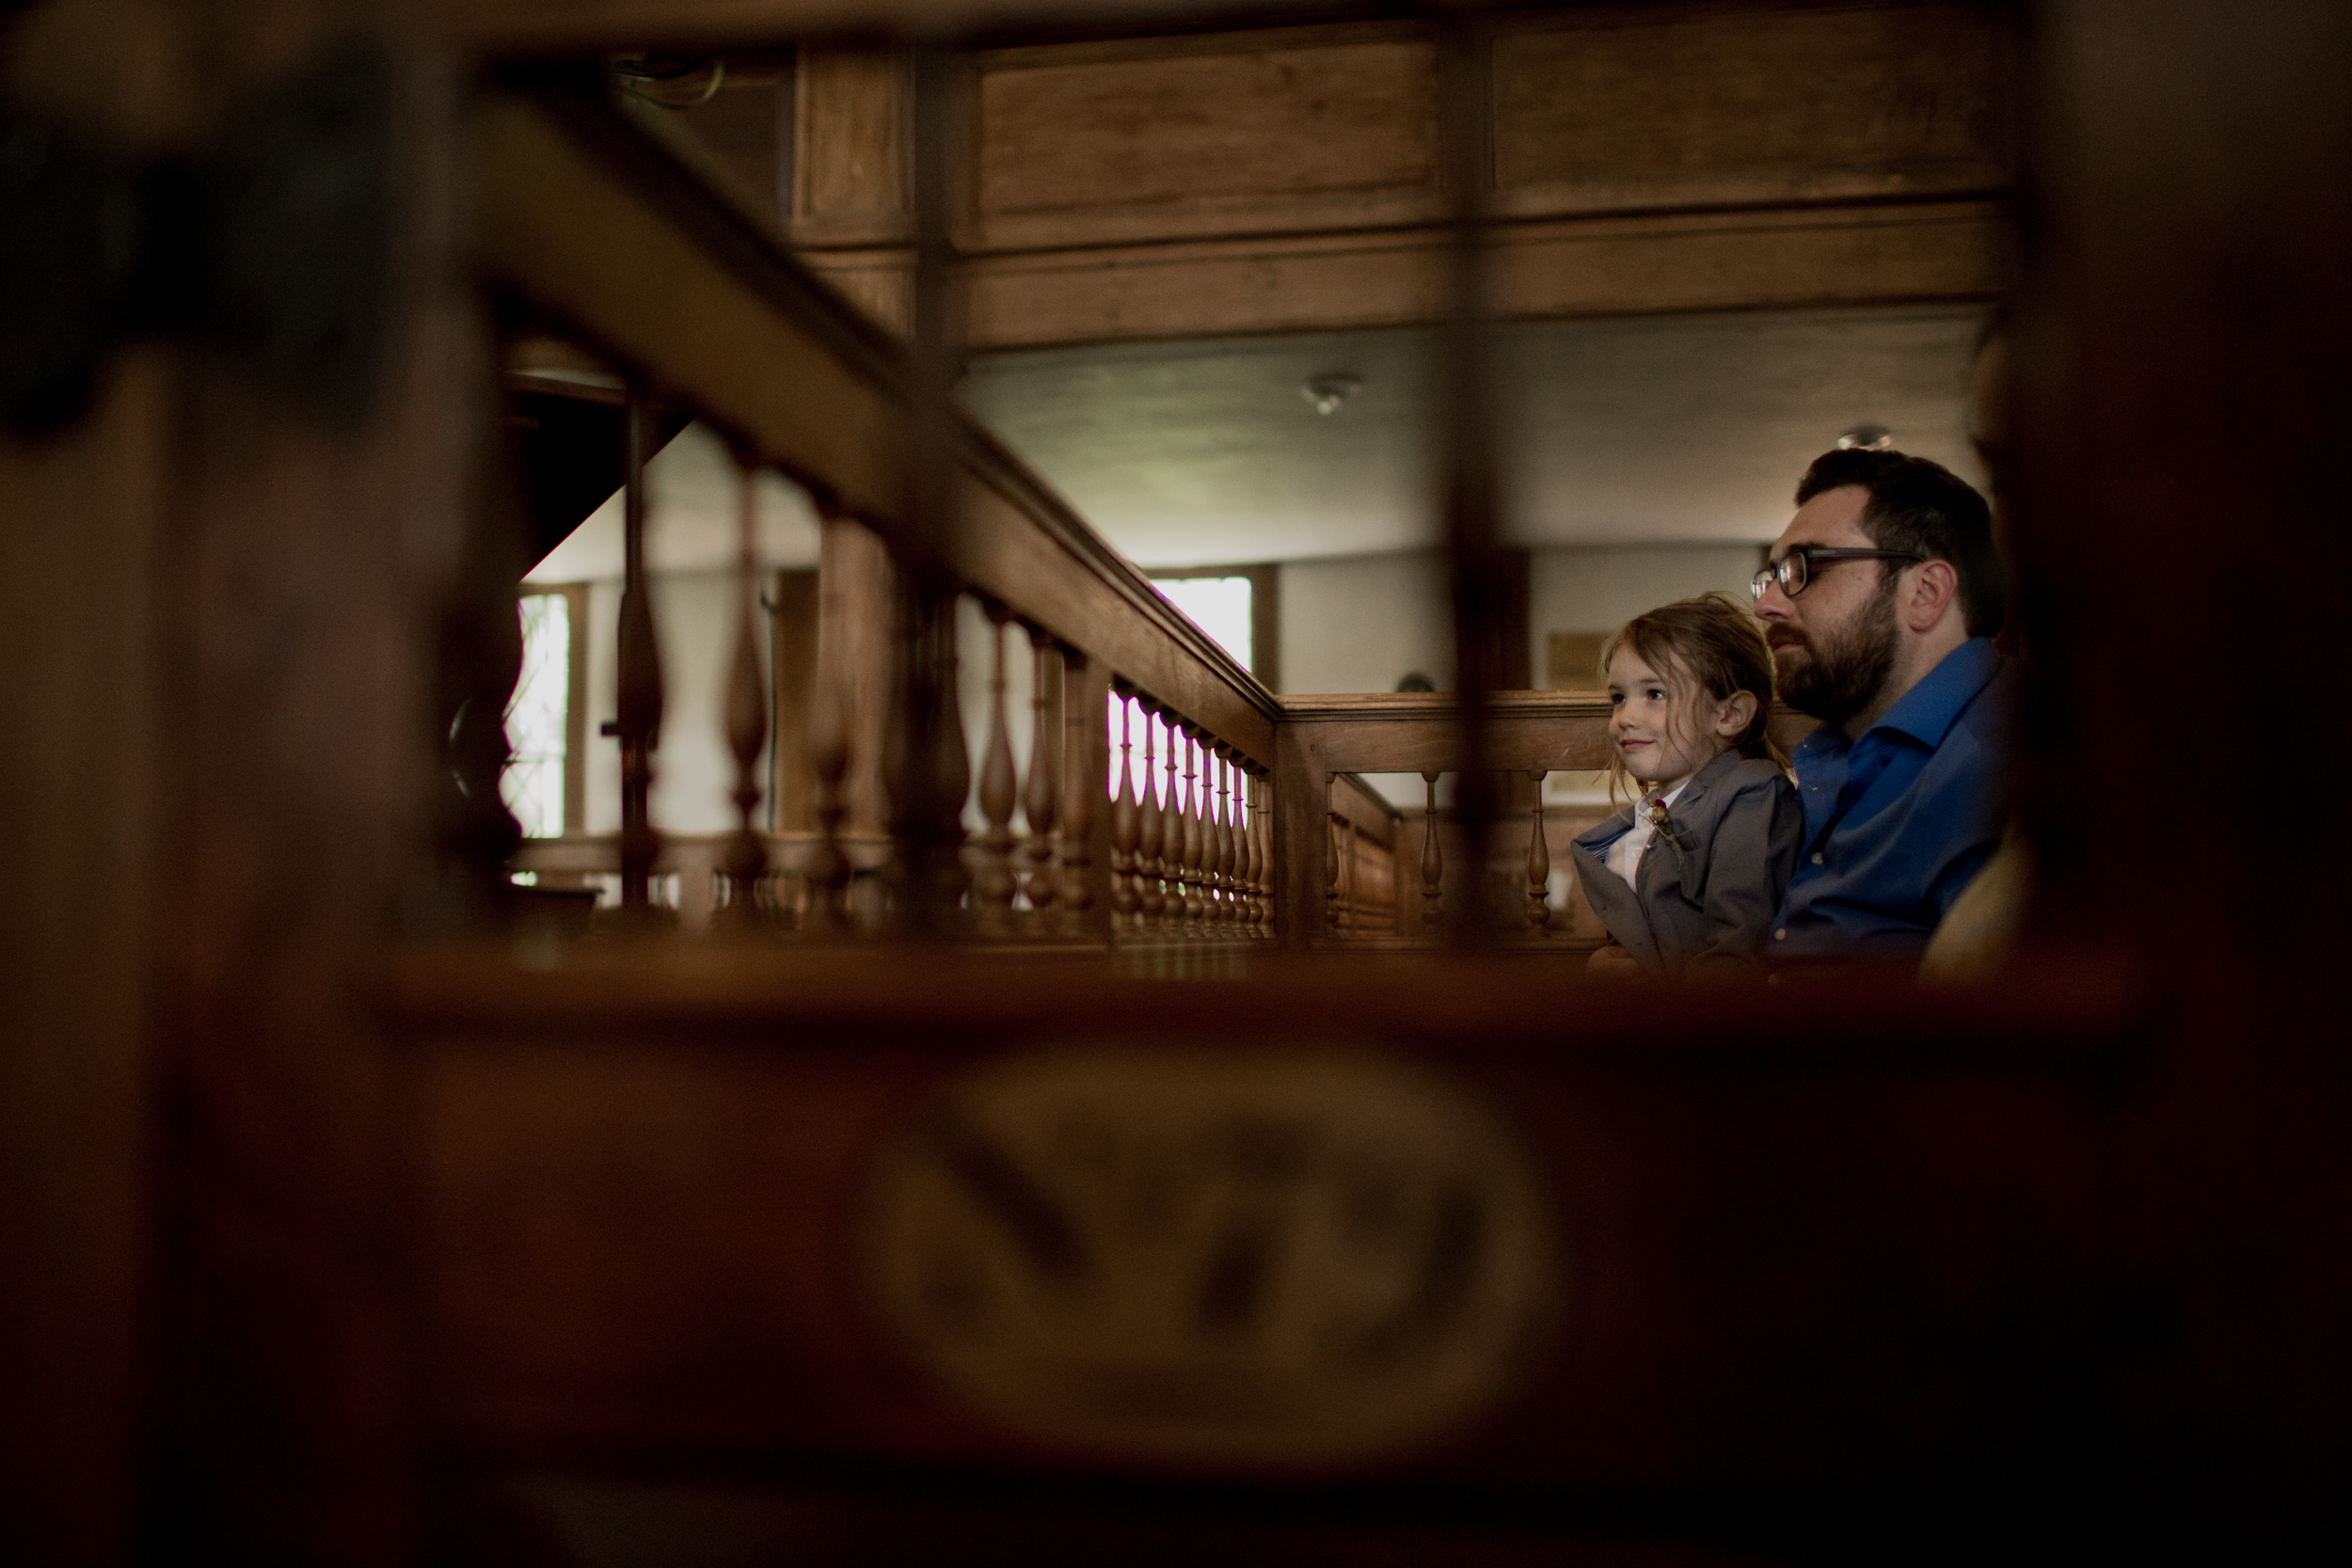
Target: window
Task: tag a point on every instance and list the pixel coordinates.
(541, 785)
(1234, 605)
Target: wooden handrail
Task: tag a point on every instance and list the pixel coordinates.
(1419, 731)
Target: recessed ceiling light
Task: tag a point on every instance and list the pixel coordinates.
(1866, 438)
(1326, 393)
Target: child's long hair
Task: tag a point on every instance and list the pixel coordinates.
(1711, 642)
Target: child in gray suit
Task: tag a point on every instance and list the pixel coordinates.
(1688, 877)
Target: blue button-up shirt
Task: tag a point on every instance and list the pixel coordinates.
(1897, 822)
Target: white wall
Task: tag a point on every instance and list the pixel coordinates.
(1600, 588)
(1362, 622)
(694, 619)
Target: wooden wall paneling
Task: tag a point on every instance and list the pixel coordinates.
(1163, 138)
(1366, 810)
(749, 126)
(853, 175)
(879, 282)
(1618, 108)
(1283, 179)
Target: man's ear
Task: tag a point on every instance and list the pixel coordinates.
(1935, 586)
(1736, 713)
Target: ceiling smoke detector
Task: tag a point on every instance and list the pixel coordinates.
(1326, 393)
(1866, 438)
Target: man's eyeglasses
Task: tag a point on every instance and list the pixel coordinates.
(1795, 569)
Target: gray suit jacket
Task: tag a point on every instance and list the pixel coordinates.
(1709, 907)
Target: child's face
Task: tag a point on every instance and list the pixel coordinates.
(1664, 738)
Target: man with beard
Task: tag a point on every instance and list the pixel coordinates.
(1880, 604)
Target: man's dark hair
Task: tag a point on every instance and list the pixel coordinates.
(1923, 507)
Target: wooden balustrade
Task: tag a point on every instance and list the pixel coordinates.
(1210, 831)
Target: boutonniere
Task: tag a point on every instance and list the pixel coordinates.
(1665, 827)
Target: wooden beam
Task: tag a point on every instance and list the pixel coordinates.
(1781, 259)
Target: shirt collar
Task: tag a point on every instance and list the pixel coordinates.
(1929, 709)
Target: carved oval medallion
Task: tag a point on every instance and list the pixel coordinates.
(1193, 1256)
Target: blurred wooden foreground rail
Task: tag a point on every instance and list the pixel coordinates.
(660, 1201)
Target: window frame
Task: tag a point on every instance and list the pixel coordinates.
(575, 595)
(1266, 610)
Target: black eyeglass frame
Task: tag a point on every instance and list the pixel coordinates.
(1802, 556)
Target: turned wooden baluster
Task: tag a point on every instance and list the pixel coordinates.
(992, 890)
(1081, 787)
(1212, 849)
(1126, 826)
(747, 723)
(1212, 845)
(1172, 840)
(1153, 842)
(1262, 854)
(1041, 799)
(637, 711)
(1172, 846)
(1208, 839)
(1196, 838)
(1538, 864)
(1266, 831)
(1230, 859)
(1221, 912)
(1432, 863)
(1252, 913)
(1253, 868)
